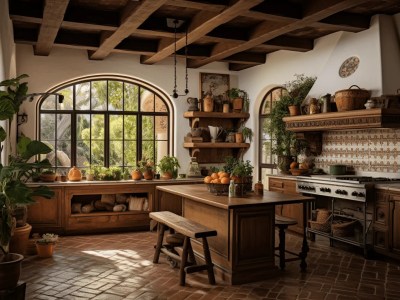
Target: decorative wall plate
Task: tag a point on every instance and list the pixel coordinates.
(349, 66)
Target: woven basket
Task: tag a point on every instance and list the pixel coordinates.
(343, 228)
(324, 226)
(322, 215)
(351, 99)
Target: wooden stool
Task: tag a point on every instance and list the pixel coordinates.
(189, 229)
(283, 223)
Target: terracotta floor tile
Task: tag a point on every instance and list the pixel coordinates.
(119, 266)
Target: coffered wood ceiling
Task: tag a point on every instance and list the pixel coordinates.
(239, 32)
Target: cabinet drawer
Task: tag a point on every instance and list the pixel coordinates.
(275, 184)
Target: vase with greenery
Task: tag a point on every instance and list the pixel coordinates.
(240, 99)
(146, 166)
(242, 174)
(286, 145)
(168, 166)
(247, 133)
(17, 170)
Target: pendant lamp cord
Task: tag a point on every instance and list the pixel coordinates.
(186, 61)
(175, 92)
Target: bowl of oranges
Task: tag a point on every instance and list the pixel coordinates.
(218, 183)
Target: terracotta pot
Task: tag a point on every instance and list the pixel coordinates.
(47, 177)
(167, 175)
(45, 250)
(10, 270)
(74, 174)
(19, 241)
(239, 137)
(237, 104)
(294, 110)
(148, 175)
(136, 175)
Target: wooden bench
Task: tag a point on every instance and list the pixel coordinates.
(282, 223)
(189, 229)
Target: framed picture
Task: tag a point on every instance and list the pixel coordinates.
(217, 84)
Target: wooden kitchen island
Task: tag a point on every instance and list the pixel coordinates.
(243, 250)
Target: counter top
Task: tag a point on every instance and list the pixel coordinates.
(388, 187)
(111, 182)
(200, 193)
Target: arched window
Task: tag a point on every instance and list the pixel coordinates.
(266, 158)
(105, 121)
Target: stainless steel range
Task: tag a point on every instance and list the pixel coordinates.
(349, 198)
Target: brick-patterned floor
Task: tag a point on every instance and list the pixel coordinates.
(119, 266)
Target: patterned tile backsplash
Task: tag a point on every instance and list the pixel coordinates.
(371, 150)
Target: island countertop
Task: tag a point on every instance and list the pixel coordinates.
(200, 193)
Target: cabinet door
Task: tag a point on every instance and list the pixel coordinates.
(47, 214)
(394, 229)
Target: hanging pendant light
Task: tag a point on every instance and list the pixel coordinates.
(175, 93)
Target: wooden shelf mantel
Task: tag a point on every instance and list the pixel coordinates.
(216, 145)
(220, 115)
(348, 120)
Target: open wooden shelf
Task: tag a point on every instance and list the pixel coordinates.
(347, 120)
(220, 115)
(216, 145)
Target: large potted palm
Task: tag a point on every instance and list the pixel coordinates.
(13, 177)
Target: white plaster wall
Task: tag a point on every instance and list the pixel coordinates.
(65, 64)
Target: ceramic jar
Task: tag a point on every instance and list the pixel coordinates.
(208, 103)
(74, 174)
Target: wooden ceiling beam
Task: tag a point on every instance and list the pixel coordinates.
(201, 24)
(53, 15)
(314, 11)
(197, 5)
(130, 23)
(344, 22)
(289, 43)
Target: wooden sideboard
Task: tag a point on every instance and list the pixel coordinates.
(56, 214)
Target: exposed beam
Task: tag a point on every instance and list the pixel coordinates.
(239, 67)
(201, 24)
(315, 10)
(130, 23)
(53, 15)
(250, 58)
(344, 22)
(197, 5)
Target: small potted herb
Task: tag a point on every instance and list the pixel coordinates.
(46, 245)
(239, 98)
(47, 175)
(168, 166)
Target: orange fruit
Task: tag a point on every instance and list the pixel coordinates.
(225, 180)
(294, 165)
(207, 179)
(214, 176)
(223, 175)
(216, 181)
(220, 173)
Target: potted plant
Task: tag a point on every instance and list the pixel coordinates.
(247, 133)
(146, 166)
(13, 177)
(46, 245)
(242, 174)
(239, 98)
(286, 145)
(168, 166)
(47, 175)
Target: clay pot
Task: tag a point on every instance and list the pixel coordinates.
(10, 270)
(294, 110)
(45, 250)
(237, 104)
(47, 177)
(148, 175)
(136, 175)
(19, 241)
(74, 174)
(239, 137)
